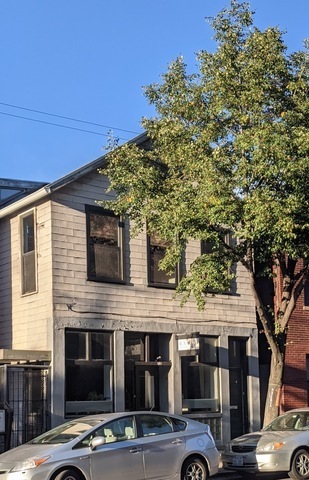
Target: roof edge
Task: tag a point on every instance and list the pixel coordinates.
(61, 182)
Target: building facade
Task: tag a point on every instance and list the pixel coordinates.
(295, 391)
(81, 299)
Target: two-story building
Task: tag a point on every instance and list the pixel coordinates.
(88, 322)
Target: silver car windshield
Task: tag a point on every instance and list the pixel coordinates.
(290, 421)
(66, 432)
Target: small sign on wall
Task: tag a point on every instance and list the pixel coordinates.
(2, 421)
(188, 343)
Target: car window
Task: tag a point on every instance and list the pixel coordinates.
(155, 425)
(66, 432)
(180, 425)
(290, 421)
(116, 431)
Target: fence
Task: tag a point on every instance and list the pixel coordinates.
(25, 389)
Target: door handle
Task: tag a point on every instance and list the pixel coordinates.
(135, 450)
(177, 441)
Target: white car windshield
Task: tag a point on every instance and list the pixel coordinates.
(66, 432)
(290, 421)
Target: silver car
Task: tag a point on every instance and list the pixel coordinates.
(282, 446)
(131, 445)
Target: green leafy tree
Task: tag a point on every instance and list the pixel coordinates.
(229, 153)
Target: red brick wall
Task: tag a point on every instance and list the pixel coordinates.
(295, 387)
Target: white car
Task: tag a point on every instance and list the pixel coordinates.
(116, 446)
(282, 446)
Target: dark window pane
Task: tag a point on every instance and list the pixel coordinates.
(28, 273)
(86, 382)
(75, 344)
(208, 349)
(105, 247)
(134, 346)
(28, 233)
(100, 346)
(87, 376)
(156, 251)
(28, 255)
(104, 229)
(106, 261)
(199, 377)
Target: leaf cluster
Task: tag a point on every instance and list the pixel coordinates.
(229, 153)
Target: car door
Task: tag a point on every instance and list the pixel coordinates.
(163, 448)
(122, 454)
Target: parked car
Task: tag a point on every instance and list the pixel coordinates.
(282, 446)
(132, 445)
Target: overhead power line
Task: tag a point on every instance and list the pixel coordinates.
(65, 118)
(57, 125)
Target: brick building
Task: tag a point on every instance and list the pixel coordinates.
(295, 391)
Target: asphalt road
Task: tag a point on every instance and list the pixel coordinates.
(224, 475)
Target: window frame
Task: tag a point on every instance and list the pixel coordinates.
(28, 254)
(151, 283)
(211, 404)
(90, 209)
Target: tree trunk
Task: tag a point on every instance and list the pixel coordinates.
(274, 387)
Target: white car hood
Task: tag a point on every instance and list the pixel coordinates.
(262, 438)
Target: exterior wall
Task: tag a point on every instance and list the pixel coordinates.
(83, 304)
(66, 299)
(5, 284)
(135, 299)
(26, 320)
(295, 386)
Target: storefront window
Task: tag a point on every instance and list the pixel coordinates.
(88, 372)
(199, 376)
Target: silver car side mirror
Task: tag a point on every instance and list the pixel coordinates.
(96, 442)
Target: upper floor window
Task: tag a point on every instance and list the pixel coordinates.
(211, 247)
(105, 246)
(156, 251)
(28, 253)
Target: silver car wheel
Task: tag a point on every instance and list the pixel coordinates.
(194, 469)
(300, 465)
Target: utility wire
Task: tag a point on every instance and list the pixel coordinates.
(58, 125)
(65, 118)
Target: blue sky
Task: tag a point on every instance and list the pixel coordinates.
(88, 60)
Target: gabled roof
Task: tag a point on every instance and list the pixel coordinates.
(43, 190)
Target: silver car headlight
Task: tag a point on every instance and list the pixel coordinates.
(29, 463)
(269, 447)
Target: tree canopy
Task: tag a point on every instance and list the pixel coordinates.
(229, 153)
